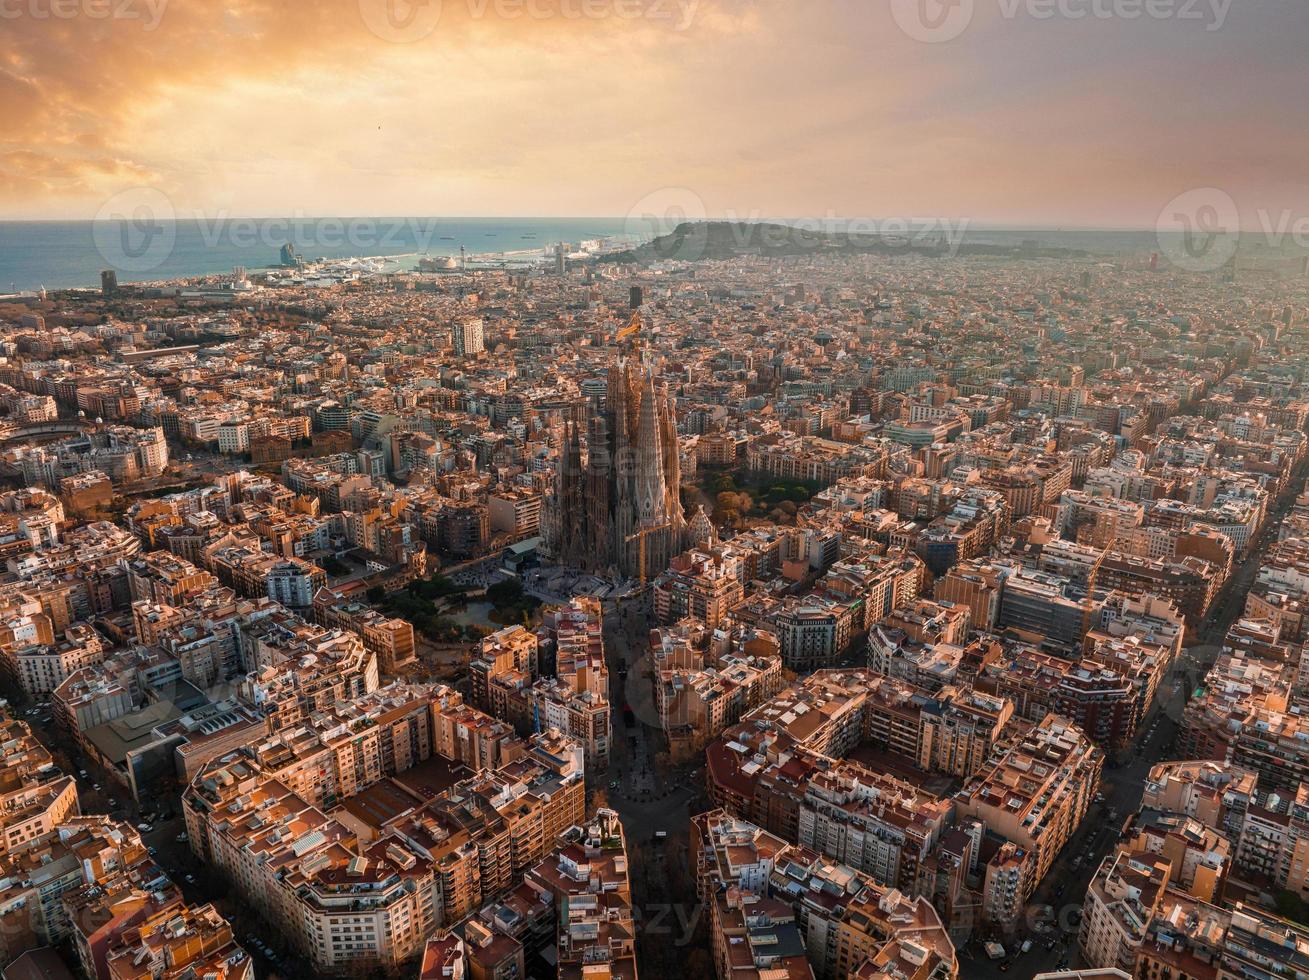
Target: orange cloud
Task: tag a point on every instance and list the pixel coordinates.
(769, 107)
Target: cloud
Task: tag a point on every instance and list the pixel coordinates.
(776, 107)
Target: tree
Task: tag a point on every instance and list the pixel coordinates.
(507, 592)
(375, 594)
(728, 507)
(1292, 906)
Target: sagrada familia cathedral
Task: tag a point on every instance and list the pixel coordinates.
(617, 507)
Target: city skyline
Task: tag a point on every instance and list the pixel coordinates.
(629, 489)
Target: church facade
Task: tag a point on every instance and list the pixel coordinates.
(617, 507)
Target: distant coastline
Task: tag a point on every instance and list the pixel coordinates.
(66, 254)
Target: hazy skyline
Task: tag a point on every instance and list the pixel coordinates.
(1031, 115)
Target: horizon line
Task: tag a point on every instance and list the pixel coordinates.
(972, 225)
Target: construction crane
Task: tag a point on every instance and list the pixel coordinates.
(632, 330)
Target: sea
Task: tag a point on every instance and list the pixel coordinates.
(71, 254)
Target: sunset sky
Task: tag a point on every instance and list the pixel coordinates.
(782, 108)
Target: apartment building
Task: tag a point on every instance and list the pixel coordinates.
(587, 881)
(872, 821)
(178, 942)
(509, 650)
(390, 637)
(1099, 700)
(1190, 583)
(698, 584)
(35, 796)
(1124, 896)
(574, 700)
(753, 934)
(1190, 938)
(1274, 839)
(1199, 857)
(357, 888)
(39, 668)
(695, 704)
(1036, 792)
(959, 729)
(846, 919)
(164, 578)
(516, 512)
(78, 851)
(1215, 793)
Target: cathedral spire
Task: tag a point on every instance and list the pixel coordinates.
(651, 490)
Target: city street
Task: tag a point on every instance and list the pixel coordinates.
(1124, 785)
(647, 802)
